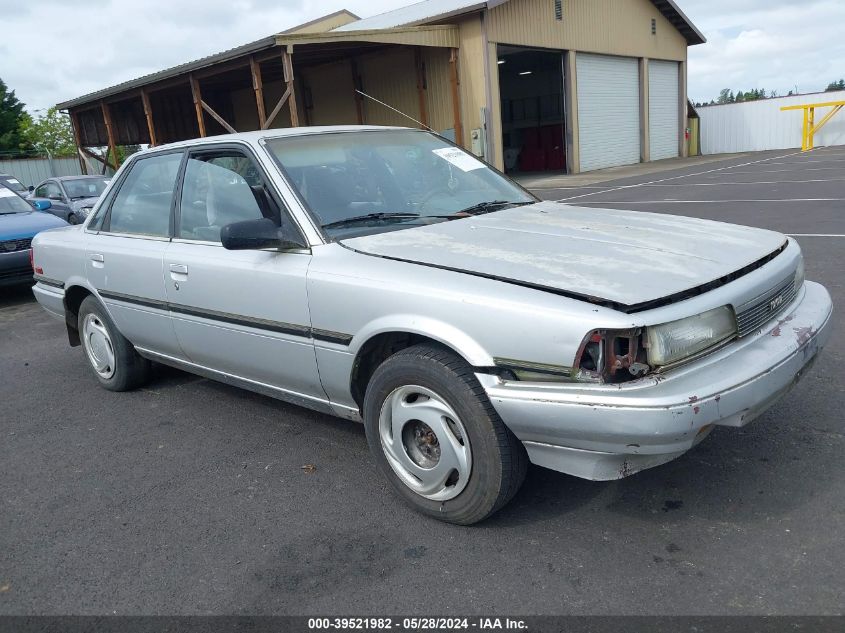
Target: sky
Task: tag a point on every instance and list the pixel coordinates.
(54, 50)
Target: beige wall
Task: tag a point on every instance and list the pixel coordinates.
(332, 94)
(439, 89)
(390, 76)
(617, 27)
(472, 76)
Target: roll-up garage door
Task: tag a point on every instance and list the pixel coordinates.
(663, 109)
(608, 110)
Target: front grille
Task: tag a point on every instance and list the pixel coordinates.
(751, 316)
(12, 246)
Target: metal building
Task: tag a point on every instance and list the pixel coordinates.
(530, 85)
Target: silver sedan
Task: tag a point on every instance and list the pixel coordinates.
(388, 277)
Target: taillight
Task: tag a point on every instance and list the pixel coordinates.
(36, 269)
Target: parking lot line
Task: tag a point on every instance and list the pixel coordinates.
(708, 201)
(708, 171)
(755, 182)
(778, 171)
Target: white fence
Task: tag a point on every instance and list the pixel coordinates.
(753, 126)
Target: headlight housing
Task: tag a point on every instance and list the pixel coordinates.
(84, 211)
(799, 274)
(671, 342)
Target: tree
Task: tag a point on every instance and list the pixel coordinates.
(724, 96)
(11, 116)
(835, 85)
(50, 134)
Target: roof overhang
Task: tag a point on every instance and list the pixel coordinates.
(445, 36)
(680, 21)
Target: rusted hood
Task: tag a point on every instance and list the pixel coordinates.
(624, 257)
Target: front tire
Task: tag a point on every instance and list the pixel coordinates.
(72, 219)
(113, 359)
(437, 438)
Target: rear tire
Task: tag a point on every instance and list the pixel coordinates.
(437, 438)
(72, 219)
(112, 358)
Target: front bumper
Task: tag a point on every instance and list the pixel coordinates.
(15, 268)
(606, 432)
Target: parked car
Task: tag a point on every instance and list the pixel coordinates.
(19, 223)
(71, 197)
(10, 182)
(386, 276)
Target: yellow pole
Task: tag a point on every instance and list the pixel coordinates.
(804, 131)
(811, 130)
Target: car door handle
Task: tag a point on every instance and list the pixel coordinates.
(96, 257)
(180, 269)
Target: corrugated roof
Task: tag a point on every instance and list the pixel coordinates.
(419, 13)
(429, 11)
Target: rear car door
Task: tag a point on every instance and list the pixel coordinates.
(244, 313)
(125, 252)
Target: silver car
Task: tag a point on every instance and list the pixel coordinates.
(386, 276)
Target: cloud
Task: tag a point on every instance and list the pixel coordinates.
(775, 45)
(53, 50)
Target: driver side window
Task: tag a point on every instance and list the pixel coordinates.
(219, 189)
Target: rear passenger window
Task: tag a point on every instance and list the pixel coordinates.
(220, 189)
(142, 205)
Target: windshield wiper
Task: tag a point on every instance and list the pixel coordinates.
(359, 219)
(490, 205)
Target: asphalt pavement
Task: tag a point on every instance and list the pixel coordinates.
(189, 496)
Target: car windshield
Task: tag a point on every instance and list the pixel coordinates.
(85, 187)
(12, 183)
(358, 183)
(10, 202)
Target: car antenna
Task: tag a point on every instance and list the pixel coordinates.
(364, 94)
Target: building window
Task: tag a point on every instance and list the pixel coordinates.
(653, 26)
(558, 9)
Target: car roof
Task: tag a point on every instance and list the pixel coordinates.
(257, 135)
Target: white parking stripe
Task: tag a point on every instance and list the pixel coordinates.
(778, 171)
(708, 201)
(756, 182)
(708, 171)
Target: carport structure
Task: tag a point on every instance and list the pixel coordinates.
(410, 75)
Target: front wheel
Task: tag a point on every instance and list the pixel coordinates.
(72, 219)
(437, 438)
(116, 364)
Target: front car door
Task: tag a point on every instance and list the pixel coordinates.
(125, 252)
(50, 191)
(243, 313)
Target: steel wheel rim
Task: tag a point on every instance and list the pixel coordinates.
(425, 442)
(98, 346)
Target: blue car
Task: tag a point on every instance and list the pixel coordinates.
(19, 222)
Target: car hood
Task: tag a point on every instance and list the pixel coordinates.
(627, 258)
(15, 226)
(84, 202)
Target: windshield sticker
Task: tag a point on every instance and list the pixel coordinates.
(459, 158)
(7, 193)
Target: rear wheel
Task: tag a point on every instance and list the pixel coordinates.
(437, 438)
(116, 364)
(72, 219)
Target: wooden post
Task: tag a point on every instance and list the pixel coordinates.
(421, 86)
(74, 125)
(456, 99)
(287, 64)
(197, 95)
(110, 133)
(148, 114)
(258, 87)
(356, 85)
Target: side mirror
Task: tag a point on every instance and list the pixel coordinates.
(30, 189)
(259, 234)
(42, 205)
